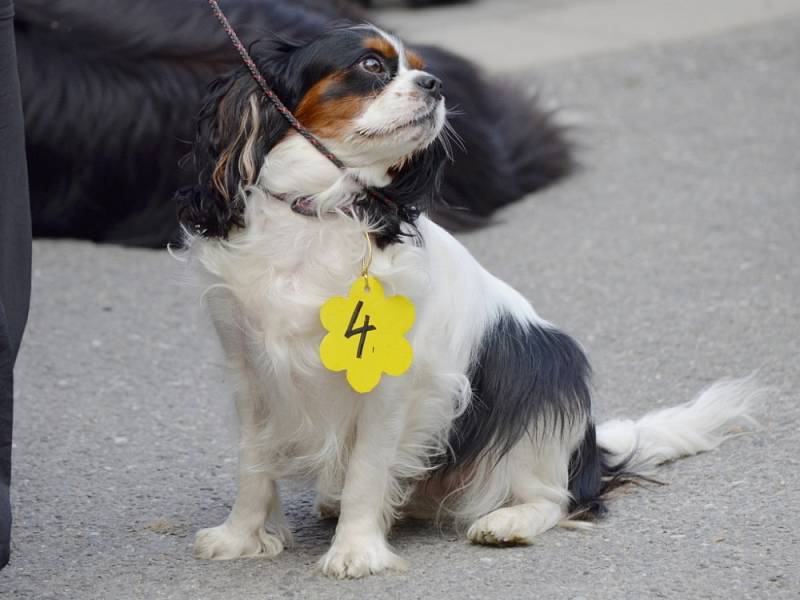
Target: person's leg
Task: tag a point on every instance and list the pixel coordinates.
(15, 252)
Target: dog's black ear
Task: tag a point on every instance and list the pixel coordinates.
(236, 128)
(416, 186)
(231, 143)
(419, 180)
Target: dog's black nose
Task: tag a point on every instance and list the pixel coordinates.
(432, 85)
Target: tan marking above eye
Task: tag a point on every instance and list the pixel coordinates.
(382, 46)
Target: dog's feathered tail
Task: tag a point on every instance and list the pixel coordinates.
(623, 450)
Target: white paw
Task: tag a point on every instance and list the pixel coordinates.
(225, 543)
(506, 526)
(357, 557)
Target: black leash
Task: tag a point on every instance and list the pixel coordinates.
(281, 107)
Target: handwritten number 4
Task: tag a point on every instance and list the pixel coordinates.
(363, 330)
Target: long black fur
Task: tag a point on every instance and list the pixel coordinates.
(201, 208)
(416, 188)
(110, 89)
(511, 145)
(532, 380)
(524, 375)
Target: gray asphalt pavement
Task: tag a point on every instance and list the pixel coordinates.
(673, 256)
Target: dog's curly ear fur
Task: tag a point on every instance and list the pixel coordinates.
(236, 128)
(229, 148)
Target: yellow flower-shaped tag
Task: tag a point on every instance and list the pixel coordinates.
(366, 334)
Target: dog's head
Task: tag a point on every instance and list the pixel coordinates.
(358, 89)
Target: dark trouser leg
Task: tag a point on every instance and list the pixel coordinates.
(15, 252)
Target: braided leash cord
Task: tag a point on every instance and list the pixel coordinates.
(280, 106)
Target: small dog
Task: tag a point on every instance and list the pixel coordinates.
(491, 424)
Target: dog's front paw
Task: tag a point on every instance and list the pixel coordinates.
(224, 543)
(355, 557)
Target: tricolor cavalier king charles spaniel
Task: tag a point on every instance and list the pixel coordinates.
(490, 426)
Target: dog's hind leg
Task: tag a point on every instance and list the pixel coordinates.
(538, 477)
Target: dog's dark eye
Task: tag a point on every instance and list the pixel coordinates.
(372, 65)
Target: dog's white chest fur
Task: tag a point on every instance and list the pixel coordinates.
(265, 287)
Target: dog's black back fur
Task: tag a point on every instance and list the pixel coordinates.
(110, 89)
(526, 380)
(532, 380)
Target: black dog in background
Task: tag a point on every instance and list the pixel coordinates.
(110, 89)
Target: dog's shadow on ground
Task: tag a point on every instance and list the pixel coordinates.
(311, 532)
